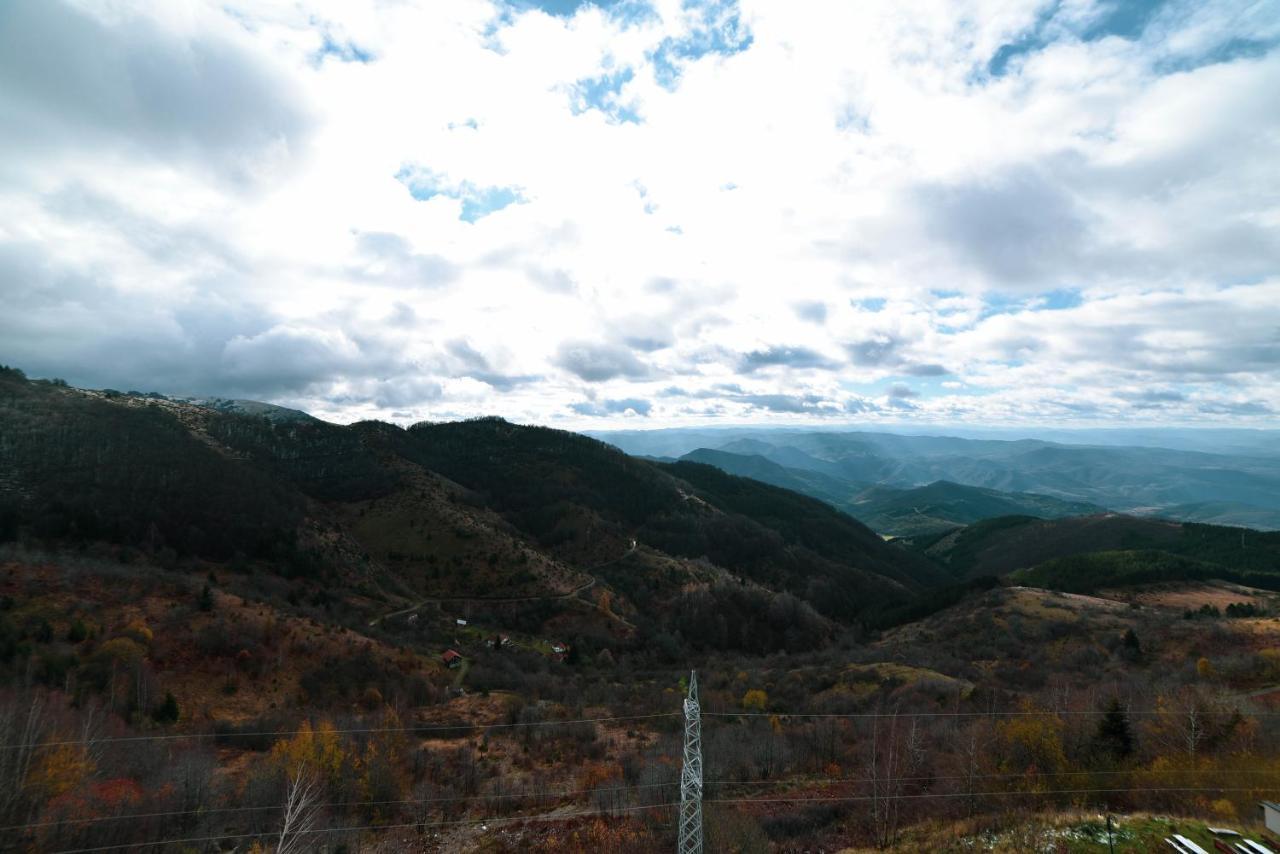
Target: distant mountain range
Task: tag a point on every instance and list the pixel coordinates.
(876, 476)
(762, 539)
(895, 511)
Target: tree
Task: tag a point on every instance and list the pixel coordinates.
(755, 700)
(1114, 739)
(300, 812)
(167, 711)
(1132, 646)
(206, 599)
(78, 631)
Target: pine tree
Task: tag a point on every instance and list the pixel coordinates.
(1132, 647)
(1114, 739)
(78, 631)
(167, 711)
(206, 599)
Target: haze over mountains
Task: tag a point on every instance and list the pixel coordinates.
(878, 476)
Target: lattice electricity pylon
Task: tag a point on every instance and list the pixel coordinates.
(691, 774)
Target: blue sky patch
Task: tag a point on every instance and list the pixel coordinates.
(627, 11)
(343, 51)
(1124, 18)
(1055, 300)
(477, 202)
(602, 93)
(718, 29)
(1228, 51)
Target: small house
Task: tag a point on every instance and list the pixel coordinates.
(559, 648)
(504, 640)
(1270, 815)
(460, 621)
(452, 658)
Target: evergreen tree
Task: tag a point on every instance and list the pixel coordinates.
(78, 632)
(1131, 647)
(167, 711)
(1114, 739)
(206, 599)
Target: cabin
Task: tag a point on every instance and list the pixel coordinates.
(1270, 815)
(452, 658)
(460, 621)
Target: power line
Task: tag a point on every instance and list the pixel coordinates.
(590, 813)
(340, 804)
(360, 827)
(926, 795)
(487, 726)
(986, 714)
(352, 731)
(639, 787)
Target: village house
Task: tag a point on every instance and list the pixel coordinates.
(452, 658)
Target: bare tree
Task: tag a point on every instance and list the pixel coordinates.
(1193, 732)
(300, 812)
(22, 725)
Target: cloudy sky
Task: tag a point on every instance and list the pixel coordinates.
(650, 212)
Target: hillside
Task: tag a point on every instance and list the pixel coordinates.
(1000, 546)
(481, 508)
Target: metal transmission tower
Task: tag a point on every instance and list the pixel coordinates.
(691, 774)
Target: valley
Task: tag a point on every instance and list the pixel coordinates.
(216, 620)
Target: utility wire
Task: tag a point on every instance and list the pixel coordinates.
(541, 793)
(480, 726)
(803, 781)
(926, 795)
(591, 813)
(360, 827)
(352, 731)
(990, 714)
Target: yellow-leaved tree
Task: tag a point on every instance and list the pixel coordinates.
(316, 750)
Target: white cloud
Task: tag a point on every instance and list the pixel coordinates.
(702, 211)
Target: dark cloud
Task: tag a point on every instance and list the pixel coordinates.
(646, 334)
(860, 405)
(612, 407)
(70, 79)
(1249, 407)
(814, 312)
(926, 370)
(1152, 396)
(902, 392)
(810, 404)
(791, 357)
(874, 352)
(289, 359)
(596, 362)
(1018, 227)
(389, 259)
(467, 361)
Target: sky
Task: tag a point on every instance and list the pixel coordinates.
(647, 213)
